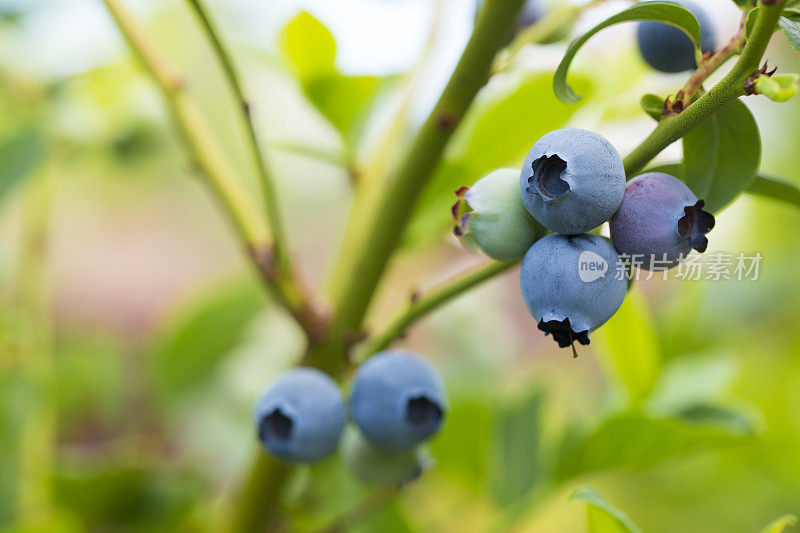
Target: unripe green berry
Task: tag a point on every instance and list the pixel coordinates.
(377, 466)
(491, 215)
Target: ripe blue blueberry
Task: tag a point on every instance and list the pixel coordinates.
(301, 416)
(378, 466)
(397, 400)
(571, 285)
(667, 48)
(660, 220)
(491, 214)
(572, 181)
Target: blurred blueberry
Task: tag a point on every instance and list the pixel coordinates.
(397, 400)
(301, 416)
(667, 48)
(379, 466)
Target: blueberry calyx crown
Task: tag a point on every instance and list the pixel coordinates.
(546, 178)
(275, 427)
(461, 211)
(424, 414)
(694, 225)
(563, 334)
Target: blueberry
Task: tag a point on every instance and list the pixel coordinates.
(571, 285)
(572, 181)
(301, 416)
(375, 465)
(491, 214)
(397, 400)
(660, 220)
(667, 48)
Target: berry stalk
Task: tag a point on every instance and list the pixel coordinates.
(728, 89)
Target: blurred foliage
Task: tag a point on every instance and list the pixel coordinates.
(683, 412)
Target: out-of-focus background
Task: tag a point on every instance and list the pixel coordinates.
(134, 335)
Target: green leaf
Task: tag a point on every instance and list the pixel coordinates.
(725, 417)
(653, 105)
(667, 12)
(18, 156)
(776, 188)
(309, 46)
(629, 346)
(744, 5)
(722, 156)
(779, 524)
(342, 99)
(601, 516)
(498, 131)
(515, 468)
(634, 440)
(790, 24)
(198, 338)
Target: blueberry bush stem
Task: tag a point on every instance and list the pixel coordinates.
(280, 245)
(360, 270)
(362, 267)
(707, 67)
(212, 161)
(427, 303)
(729, 88)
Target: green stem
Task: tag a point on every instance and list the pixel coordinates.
(430, 302)
(362, 270)
(213, 162)
(378, 499)
(728, 89)
(280, 247)
(260, 496)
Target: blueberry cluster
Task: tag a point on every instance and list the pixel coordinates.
(572, 182)
(397, 402)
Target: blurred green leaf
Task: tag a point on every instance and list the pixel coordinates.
(468, 421)
(515, 465)
(653, 105)
(113, 495)
(198, 338)
(309, 46)
(729, 418)
(779, 524)
(636, 441)
(670, 13)
(722, 156)
(690, 380)
(790, 24)
(91, 380)
(343, 99)
(18, 156)
(630, 348)
(498, 131)
(601, 516)
(775, 188)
